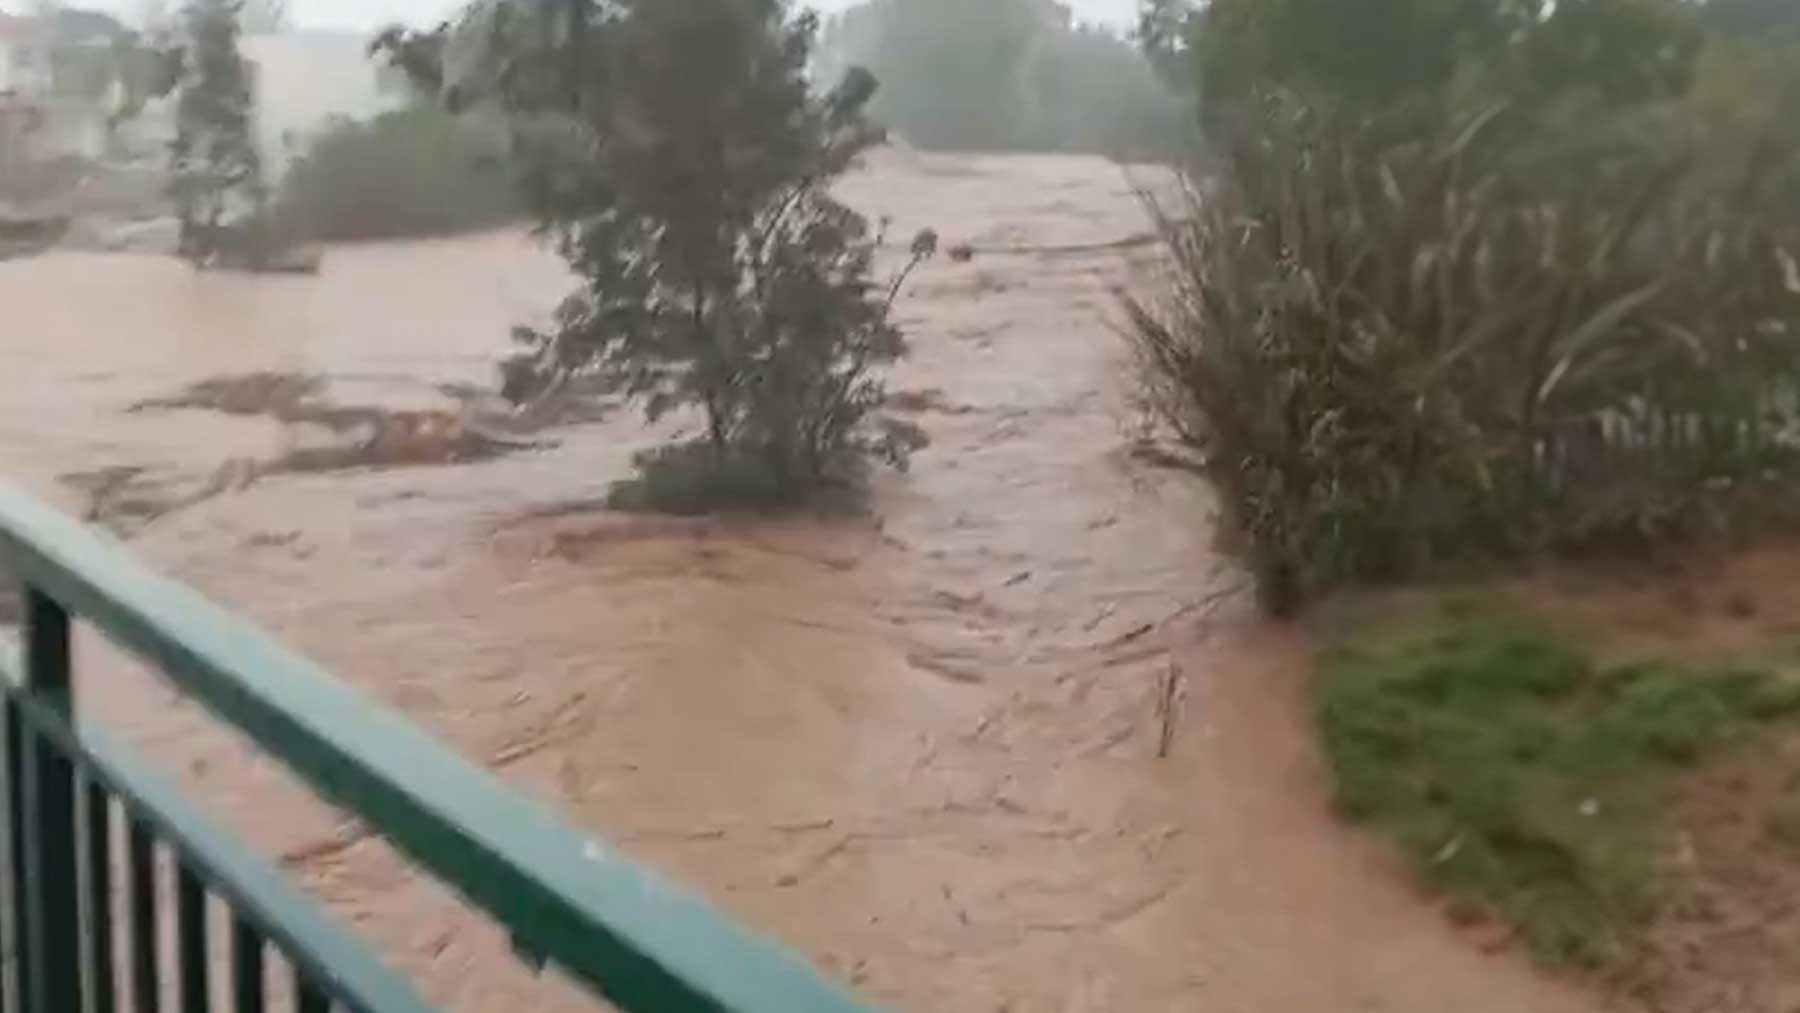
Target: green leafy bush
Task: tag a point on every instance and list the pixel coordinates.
(690, 479)
(418, 171)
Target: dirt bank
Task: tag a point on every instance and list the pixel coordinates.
(921, 745)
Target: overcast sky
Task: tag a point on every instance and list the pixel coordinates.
(364, 14)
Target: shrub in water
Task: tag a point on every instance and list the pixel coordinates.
(417, 171)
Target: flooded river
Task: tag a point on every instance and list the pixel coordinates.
(922, 745)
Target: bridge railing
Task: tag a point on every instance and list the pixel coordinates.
(69, 788)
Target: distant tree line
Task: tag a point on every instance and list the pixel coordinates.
(1754, 15)
(1004, 75)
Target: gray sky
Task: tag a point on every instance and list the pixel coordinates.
(365, 14)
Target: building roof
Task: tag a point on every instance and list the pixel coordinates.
(14, 27)
(64, 26)
(72, 25)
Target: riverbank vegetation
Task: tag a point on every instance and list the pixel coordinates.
(1006, 75)
(1538, 293)
(1460, 286)
(681, 161)
(416, 171)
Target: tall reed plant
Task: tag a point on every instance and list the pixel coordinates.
(1454, 328)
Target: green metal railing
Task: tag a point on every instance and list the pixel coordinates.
(69, 788)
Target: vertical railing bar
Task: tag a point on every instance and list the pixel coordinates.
(52, 901)
(307, 996)
(171, 827)
(97, 916)
(246, 966)
(145, 985)
(13, 987)
(190, 935)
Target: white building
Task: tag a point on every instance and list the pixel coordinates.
(24, 57)
(54, 76)
(301, 81)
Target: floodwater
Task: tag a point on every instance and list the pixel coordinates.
(924, 746)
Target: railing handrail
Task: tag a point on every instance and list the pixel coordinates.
(566, 899)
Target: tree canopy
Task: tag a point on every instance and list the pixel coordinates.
(679, 158)
(215, 169)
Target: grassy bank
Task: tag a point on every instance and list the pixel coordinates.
(1523, 779)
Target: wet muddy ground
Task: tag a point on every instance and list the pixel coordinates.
(1009, 741)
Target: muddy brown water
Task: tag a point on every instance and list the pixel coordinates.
(920, 745)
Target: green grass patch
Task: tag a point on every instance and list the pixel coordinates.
(1518, 776)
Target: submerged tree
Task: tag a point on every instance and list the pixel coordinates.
(677, 157)
(215, 170)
